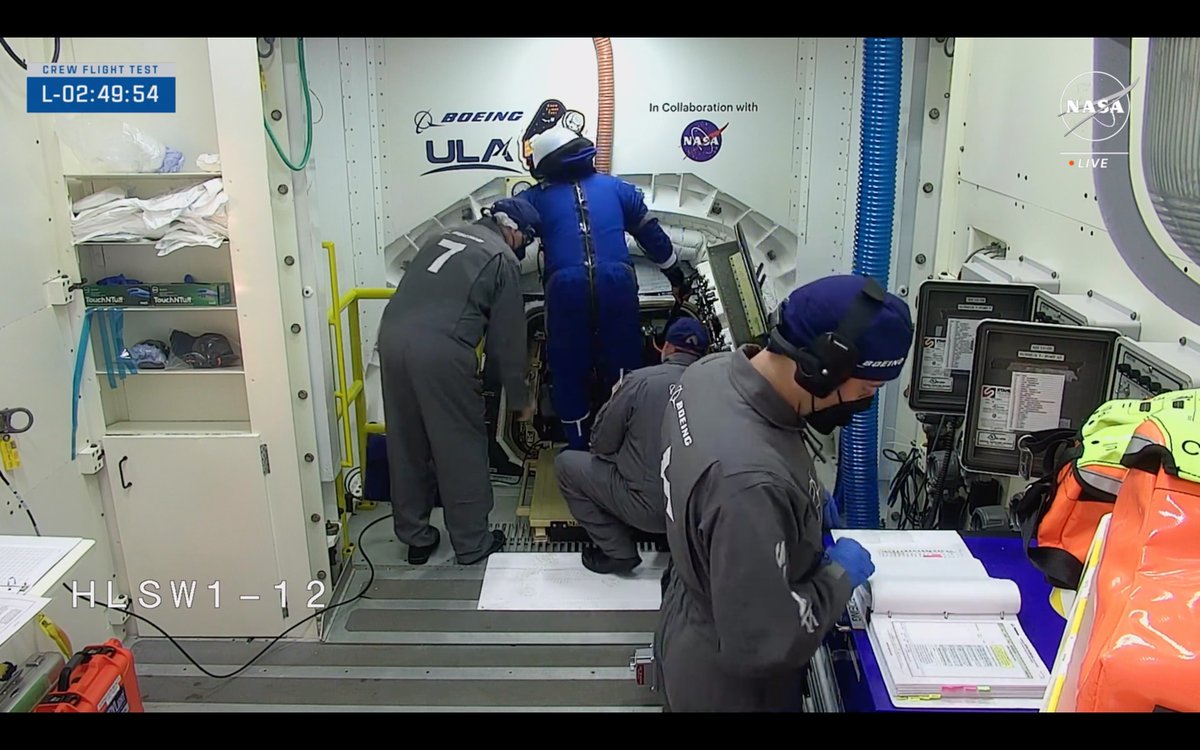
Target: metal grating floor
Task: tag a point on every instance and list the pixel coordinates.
(416, 641)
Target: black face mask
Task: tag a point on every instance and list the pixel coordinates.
(520, 251)
(839, 415)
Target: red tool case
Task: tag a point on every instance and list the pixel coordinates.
(98, 679)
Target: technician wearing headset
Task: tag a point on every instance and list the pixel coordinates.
(752, 591)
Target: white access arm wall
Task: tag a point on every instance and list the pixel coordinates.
(36, 345)
(1009, 176)
(1009, 161)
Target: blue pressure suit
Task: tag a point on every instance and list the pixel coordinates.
(592, 310)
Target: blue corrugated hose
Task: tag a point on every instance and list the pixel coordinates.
(857, 488)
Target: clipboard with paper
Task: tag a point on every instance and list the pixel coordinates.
(26, 560)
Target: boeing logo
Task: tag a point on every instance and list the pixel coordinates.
(882, 362)
(676, 398)
(424, 119)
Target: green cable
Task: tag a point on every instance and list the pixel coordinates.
(308, 111)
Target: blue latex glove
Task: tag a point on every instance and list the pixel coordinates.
(830, 517)
(172, 161)
(856, 560)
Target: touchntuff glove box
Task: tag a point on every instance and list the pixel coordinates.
(191, 295)
(212, 294)
(116, 295)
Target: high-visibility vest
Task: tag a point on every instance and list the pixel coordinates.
(1081, 474)
(1145, 637)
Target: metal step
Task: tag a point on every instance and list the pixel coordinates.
(415, 640)
(296, 676)
(534, 689)
(310, 708)
(160, 652)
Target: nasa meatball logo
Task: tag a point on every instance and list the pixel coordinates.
(701, 140)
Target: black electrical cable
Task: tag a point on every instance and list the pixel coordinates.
(21, 503)
(956, 454)
(360, 595)
(19, 61)
(993, 250)
(936, 491)
(907, 487)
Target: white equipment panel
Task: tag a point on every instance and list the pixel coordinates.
(1147, 369)
(1020, 270)
(1091, 309)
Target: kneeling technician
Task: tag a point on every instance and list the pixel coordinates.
(616, 488)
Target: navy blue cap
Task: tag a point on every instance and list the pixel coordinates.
(522, 213)
(688, 334)
(818, 308)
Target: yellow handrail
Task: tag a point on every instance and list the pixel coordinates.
(339, 393)
(345, 391)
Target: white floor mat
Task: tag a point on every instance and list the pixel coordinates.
(548, 581)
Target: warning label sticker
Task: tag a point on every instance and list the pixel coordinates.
(995, 404)
(935, 374)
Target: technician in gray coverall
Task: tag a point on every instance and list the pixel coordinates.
(615, 488)
(463, 286)
(752, 591)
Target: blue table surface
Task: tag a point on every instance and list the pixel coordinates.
(1002, 557)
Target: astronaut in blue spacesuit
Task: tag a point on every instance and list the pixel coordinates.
(592, 310)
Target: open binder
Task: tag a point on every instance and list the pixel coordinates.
(942, 629)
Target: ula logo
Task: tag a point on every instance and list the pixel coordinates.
(456, 155)
(701, 140)
(1095, 106)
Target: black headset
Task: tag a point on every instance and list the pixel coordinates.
(832, 357)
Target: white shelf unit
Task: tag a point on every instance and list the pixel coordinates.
(203, 475)
(182, 455)
(191, 400)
